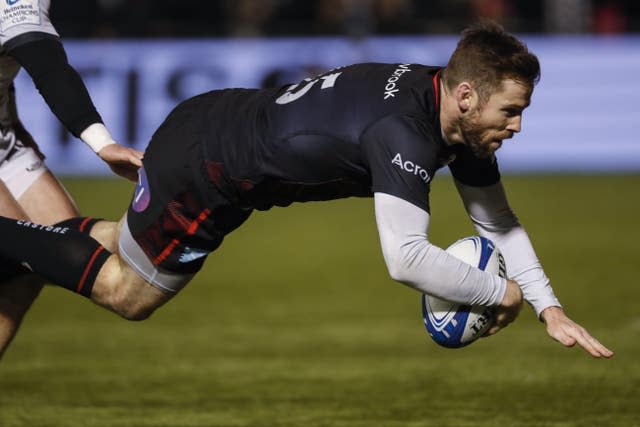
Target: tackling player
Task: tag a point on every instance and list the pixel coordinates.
(28, 190)
(380, 130)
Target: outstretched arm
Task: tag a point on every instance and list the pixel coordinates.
(490, 213)
(62, 88)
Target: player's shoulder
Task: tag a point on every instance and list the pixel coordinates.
(23, 21)
(406, 136)
(392, 89)
(390, 78)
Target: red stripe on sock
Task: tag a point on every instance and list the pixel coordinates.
(87, 269)
(193, 227)
(84, 223)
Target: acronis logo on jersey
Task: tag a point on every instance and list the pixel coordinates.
(12, 2)
(142, 194)
(411, 167)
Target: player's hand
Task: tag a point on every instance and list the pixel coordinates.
(508, 309)
(568, 332)
(122, 160)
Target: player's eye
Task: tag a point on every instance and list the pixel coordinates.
(511, 112)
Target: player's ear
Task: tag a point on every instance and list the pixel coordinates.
(466, 96)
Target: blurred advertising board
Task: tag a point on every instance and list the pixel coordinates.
(584, 116)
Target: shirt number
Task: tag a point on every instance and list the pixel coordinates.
(291, 94)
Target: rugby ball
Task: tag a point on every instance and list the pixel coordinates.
(455, 325)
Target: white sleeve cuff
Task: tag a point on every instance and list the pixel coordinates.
(97, 137)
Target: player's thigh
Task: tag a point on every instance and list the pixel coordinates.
(9, 206)
(39, 194)
(16, 296)
(46, 201)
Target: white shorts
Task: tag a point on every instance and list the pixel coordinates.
(21, 170)
(131, 252)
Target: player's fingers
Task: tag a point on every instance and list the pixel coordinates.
(588, 343)
(596, 348)
(137, 155)
(566, 340)
(604, 351)
(497, 326)
(492, 330)
(130, 173)
(588, 346)
(601, 348)
(505, 317)
(560, 335)
(135, 160)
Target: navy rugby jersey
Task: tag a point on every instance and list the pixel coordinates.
(351, 131)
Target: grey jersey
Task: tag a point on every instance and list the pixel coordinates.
(23, 16)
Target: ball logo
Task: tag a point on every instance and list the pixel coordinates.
(482, 321)
(142, 194)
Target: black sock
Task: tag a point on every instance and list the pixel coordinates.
(80, 223)
(63, 256)
(9, 270)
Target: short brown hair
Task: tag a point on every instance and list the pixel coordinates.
(486, 55)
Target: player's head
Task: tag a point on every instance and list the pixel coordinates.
(485, 56)
(491, 74)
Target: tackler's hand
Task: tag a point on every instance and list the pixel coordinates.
(122, 160)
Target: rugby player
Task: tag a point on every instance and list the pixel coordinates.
(28, 190)
(366, 130)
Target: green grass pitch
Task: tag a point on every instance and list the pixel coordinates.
(294, 322)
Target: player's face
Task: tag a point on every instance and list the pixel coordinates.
(487, 125)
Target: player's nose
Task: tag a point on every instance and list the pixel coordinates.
(515, 124)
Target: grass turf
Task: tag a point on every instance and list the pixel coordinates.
(294, 322)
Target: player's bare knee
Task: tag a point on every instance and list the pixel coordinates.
(106, 233)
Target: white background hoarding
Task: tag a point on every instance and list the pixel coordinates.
(584, 116)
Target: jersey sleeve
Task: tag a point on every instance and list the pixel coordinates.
(473, 171)
(402, 158)
(23, 21)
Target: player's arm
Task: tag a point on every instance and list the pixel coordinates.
(492, 217)
(44, 58)
(402, 157)
(414, 261)
(490, 213)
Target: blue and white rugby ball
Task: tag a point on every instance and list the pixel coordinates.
(455, 325)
